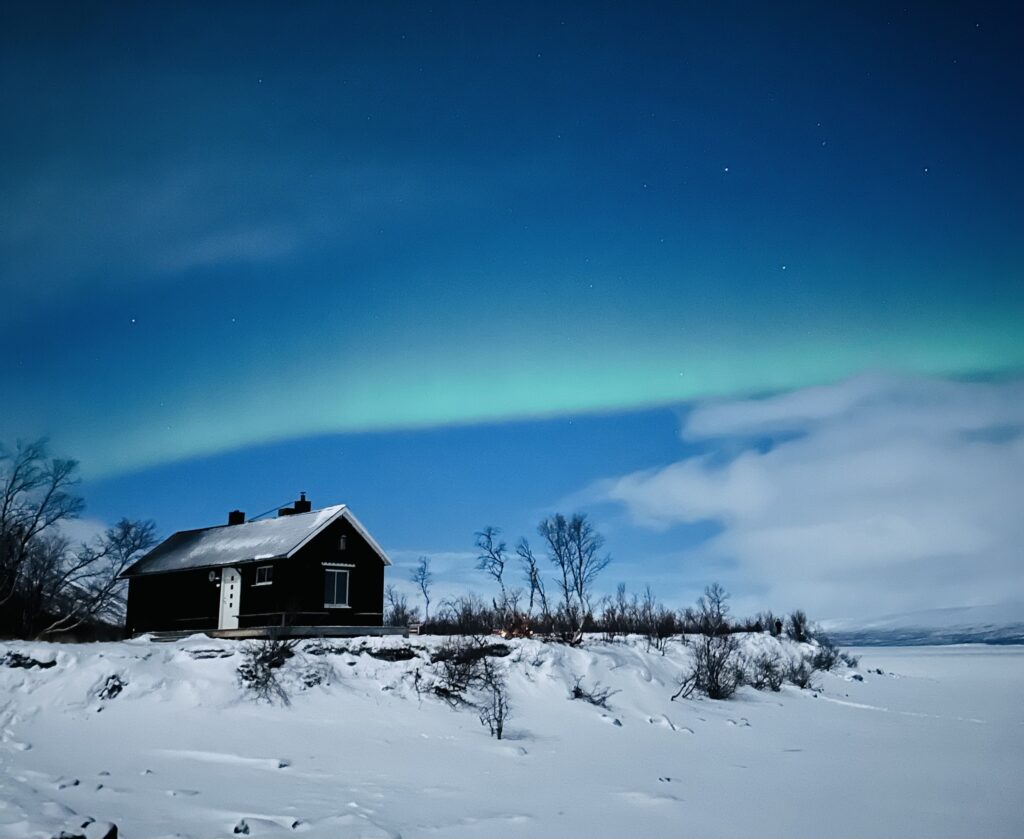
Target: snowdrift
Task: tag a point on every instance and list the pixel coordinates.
(161, 740)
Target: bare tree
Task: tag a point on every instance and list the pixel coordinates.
(36, 495)
(73, 587)
(713, 611)
(422, 576)
(492, 559)
(531, 571)
(399, 613)
(574, 548)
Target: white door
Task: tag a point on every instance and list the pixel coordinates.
(230, 594)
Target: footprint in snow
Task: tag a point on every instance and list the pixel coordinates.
(187, 793)
(64, 783)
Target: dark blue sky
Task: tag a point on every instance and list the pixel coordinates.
(386, 252)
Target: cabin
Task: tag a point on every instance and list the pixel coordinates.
(304, 568)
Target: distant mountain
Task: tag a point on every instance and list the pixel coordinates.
(1001, 623)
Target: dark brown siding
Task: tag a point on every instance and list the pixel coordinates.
(179, 601)
(366, 579)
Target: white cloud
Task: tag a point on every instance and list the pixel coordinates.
(82, 531)
(879, 494)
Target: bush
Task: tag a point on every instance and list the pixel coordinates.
(826, 655)
(494, 707)
(716, 668)
(398, 611)
(765, 671)
(849, 660)
(259, 670)
(797, 627)
(596, 695)
(461, 669)
(467, 615)
(800, 671)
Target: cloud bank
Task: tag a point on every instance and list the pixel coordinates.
(870, 496)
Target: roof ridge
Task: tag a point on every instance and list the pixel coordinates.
(277, 538)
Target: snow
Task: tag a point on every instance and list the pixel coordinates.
(228, 544)
(931, 746)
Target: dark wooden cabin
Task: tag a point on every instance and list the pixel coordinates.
(304, 568)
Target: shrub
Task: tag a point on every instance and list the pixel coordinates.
(494, 706)
(467, 615)
(768, 622)
(716, 667)
(596, 695)
(826, 655)
(800, 671)
(461, 668)
(849, 660)
(398, 611)
(764, 671)
(797, 627)
(259, 670)
(718, 673)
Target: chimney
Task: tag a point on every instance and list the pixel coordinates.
(236, 517)
(286, 511)
(302, 505)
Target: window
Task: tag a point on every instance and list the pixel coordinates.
(341, 542)
(335, 588)
(264, 575)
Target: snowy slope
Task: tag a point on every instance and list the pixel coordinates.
(918, 750)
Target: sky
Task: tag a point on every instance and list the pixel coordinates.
(727, 279)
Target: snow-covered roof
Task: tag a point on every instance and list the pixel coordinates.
(229, 544)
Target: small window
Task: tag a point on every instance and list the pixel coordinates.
(335, 588)
(264, 575)
(341, 543)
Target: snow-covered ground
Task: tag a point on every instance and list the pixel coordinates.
(931, 746)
